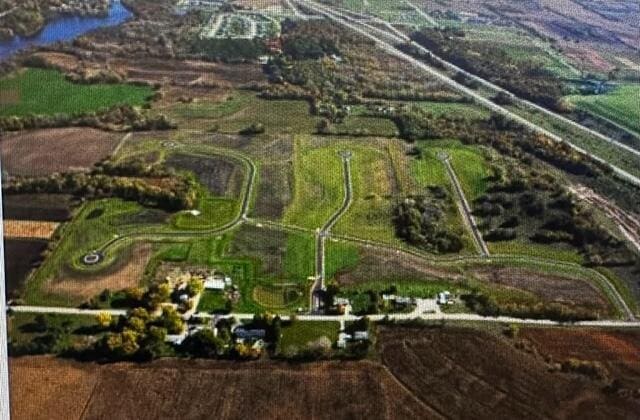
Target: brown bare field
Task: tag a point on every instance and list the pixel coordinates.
(188, 73)
(618, 351)
(29, 229)
(21, 256)
(126, 274)
(469, 373)
(179, 389)
(49, 207)
(64, 62)
(49, 389)
(549, 287)
(42, 152)
(381, 264)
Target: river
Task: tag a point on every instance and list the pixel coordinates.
(66, 28)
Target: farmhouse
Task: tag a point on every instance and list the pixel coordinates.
(361, 335)
(444, 298)
(214, 283)
(176, 339)
(342, 340)
(252, 335)
(342, 305)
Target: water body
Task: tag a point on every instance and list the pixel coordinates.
(67, 28)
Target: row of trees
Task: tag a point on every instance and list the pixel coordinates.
(175, 194)
(118, 118)
(488, 306)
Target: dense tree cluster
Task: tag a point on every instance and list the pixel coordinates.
(488, 306)
(533, 206)
(308, 46)
(525, 78)
(227, 50)
(419, 220)
(172, 194)
(332, 69)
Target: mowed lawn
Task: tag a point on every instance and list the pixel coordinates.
(622, 105)
(468, 163)
(300, 333)
(47, 92)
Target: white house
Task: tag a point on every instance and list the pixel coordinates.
(342, 340)
(443, 298)
(212, 283)
(361, 335)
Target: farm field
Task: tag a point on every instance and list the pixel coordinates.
(622, 105)
(20, 257)
(43, 152)
(47, 92)
(29, 229)
(421, 370)
(262, 390)
(470, 372)
(49, 207)
(617, 351)
(240, 109)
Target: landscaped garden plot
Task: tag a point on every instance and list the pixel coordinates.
(43, 152)
(38, 91)
(622, 105)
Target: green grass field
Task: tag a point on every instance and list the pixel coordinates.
(213, 302)
(535, 250)
(467, 161)
(299, 333)
(319, 187)
(470, 111)
(622, 105)
(47, 92)
(244, 108)
(214, 212)
(372, 126)
(96, 223)
(415, 288)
